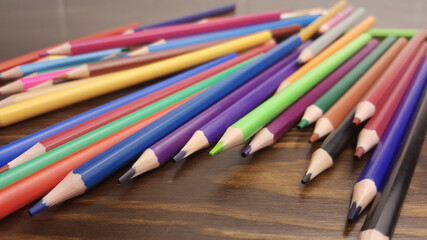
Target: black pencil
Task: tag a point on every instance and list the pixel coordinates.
(324, 157)
(381, 222)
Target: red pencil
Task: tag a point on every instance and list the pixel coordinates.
(85, 127)
(371, 134)
(34, 56)
(28, 189)
(366, 106)
(151, 35)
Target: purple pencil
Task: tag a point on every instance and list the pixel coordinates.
(287, 119)
(211, 130)
(163, 150)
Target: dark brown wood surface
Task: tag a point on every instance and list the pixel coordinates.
(203, 197)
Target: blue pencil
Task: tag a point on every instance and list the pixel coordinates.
(29, 68)
(89, 174)
(202, 38)
(12, 150)
(191, 18)
(376, 171)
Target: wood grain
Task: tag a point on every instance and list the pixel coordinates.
(203, 197)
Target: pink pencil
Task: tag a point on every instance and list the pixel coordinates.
(151, 35)
(335, 20)
(23, 84)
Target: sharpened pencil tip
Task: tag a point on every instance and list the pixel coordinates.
(353, 212)
(314, 137)
(38, 208)
(180, 156)
(302, 124)
(359, 152)
(247, 151)
(43, 54)
(127, 176)
(217, 149)
(356, 121)
(4, 168)
(306, 178)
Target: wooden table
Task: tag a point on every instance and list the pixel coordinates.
(203, 197)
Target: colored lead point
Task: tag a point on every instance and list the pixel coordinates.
(302, 124)
(38, 208)
(306, 178)
(314, 137)
(359, 152)
(127, 176)
(219, 147)
(353, 212)
(356, 121)
(247, 151)
(181, 155)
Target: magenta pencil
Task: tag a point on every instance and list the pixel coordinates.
(335, 20)
(281, 124)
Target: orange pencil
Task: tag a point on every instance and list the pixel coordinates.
(28, 189)
(333, 48)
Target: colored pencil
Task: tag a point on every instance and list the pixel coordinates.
(18, 172)
(367, 105)
(94, 123)
(325, 156)
(209, 132)
(28, 68)
(385, 32)
(189, 18)
(202, 38)
(336, 114)
(250, 94)
(14, 149)
(376, 171)
(375, 128)
(361, 65)
(264, 113)
(26, 83)
(109, 66)
(115, 157)
(34, 186)
(122, 79)
(281, 124)
(335, 20)
(325, 54)
(382, 220)
(151, 35)
(34, 56)
(326, 39)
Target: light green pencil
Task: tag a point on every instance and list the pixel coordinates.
(267, 111)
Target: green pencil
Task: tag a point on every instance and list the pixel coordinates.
(68, 148)
(385, 32)
(264, 113)
(318, 108)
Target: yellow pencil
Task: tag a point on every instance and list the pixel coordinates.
(119, 80)
(333, 48)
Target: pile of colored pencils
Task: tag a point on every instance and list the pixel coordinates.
(239, 77)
